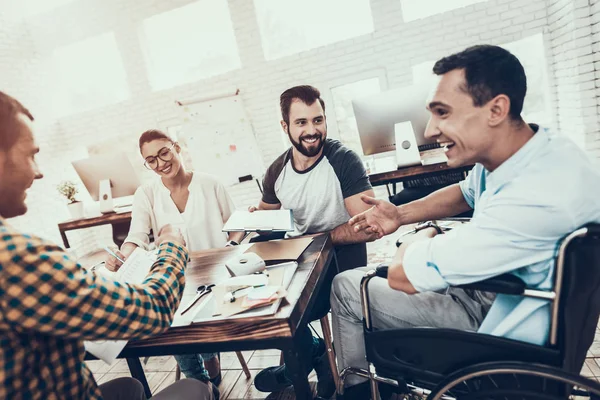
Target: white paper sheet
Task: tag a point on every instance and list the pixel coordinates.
(136, 267)
(134, 270)
(260, 220)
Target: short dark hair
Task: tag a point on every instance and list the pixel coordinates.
(153, 134)
(9, 109)
(489, 71)
(305, 93)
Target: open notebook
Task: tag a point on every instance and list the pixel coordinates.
(134, 270)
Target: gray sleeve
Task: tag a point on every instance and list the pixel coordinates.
(269, 196)
(350, 171)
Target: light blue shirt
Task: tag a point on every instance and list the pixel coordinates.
(522, 210)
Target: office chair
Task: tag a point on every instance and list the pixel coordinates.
(434, 362)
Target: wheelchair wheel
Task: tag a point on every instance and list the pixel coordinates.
(514, 381)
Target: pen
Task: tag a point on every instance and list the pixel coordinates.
(93, 267)
(112, 253)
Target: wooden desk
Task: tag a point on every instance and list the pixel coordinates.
(120, 225)
(417, 171)
(316, 268)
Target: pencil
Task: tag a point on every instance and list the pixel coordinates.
(112, 253)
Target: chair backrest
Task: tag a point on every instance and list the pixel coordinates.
(579, 300)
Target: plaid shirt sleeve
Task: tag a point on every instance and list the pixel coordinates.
(45, 291)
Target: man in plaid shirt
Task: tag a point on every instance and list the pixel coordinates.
(49, 304)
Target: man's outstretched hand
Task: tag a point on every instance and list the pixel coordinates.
(381, 219)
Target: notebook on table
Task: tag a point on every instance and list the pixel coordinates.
(277, 251)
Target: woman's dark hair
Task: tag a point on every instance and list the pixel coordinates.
(153, 134)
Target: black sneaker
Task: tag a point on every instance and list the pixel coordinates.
(272, 379)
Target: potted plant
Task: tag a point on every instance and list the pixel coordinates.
(69, 190)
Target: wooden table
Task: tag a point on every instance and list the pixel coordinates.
(414, 172)
(120, 225)
(316, 268)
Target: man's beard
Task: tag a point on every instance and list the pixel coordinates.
(304, 150)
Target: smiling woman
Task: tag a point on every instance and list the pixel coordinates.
(195, 203)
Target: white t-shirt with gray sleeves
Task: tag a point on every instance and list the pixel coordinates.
(316, 195)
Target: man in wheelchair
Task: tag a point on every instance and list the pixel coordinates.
(529, 188)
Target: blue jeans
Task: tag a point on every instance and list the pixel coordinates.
(192, 365)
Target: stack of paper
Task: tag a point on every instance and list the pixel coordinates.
(261, 296)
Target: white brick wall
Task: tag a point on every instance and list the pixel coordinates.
(571, 25)
(394, 47)
(594, 134)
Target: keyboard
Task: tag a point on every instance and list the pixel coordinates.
(433, 156)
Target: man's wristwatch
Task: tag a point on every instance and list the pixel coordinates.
(231, 243)
(428, 224)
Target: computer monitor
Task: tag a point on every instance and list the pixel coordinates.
(115, 167)
(376, 116)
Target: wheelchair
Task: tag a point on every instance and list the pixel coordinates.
(453, 364)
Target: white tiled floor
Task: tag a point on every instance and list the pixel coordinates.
(160, 372)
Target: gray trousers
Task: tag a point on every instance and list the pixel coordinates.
(131, 389)
(455, 308)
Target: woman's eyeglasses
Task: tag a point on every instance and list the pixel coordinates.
(165, 154)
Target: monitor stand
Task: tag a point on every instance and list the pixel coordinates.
(105, 197)
(407, 151)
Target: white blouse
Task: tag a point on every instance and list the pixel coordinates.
(207, 209)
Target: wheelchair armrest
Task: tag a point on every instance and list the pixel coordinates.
(594, 229)
(506, 284)
(381, 271)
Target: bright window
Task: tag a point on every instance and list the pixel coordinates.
(344, 113)
(423, 71)
(291, 26)
(89, 74)
(530, 52)
(189, 43)
(417, 9)
(28, 8)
